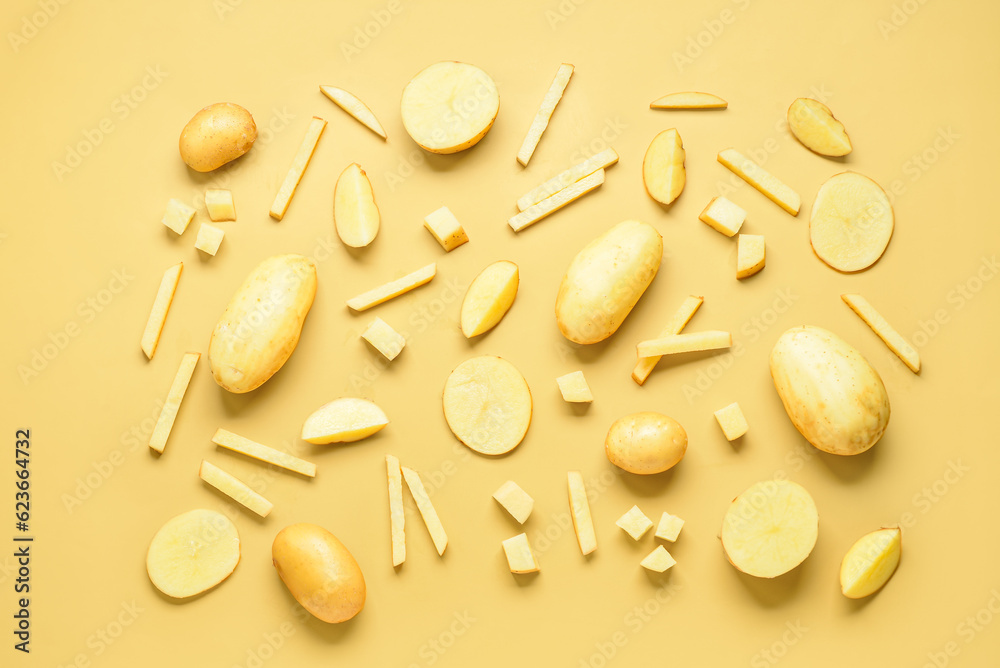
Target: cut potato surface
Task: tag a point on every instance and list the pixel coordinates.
(355, 107)
(263, 453)
(220, 205)
(770, 528)
(354, 210)
(669, 527)
(635, 523)
(663, 167)
(870, 562)
(731, 419)
(165, 421)
(234, 488)
(299, 163)
(177, 216)
(449, 106)
(658, 561)
(344, 420)
(723, 216)
(426, 508)
(574, 388)
(750, 255)
(515, 501)
(544, 113)
(397, 518)
(761, 179)
(813, 124)
(689, 100)
(556, 201)
(487, 404)
(209, 239)
(885, 331)
(583, 522)
(384, 338)
(443, 225)
(192, 553)
(685, 343)
(384, 293)
(645, 365)
(520, 558)
(582, 169)
(488, 298)
(161, 306)
(851, 222)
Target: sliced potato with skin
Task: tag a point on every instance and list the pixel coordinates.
(751, 255)
(689, 100)
(487, 404)
(870, 562)
(449, 106)
(344, 420)
(355, 107)
(354, 210)
(663, 167)
(814, 125)
(770, 528)
(192, 553)
(851, 222)
(488, 298)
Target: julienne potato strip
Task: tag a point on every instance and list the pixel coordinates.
(541, 120)
(298, 168)
(885, 331)
(161, 306)
(762, 180)
(355, 107)
(234, 488)
(165, 421)
(426, 508)
(685, 343)
(601, 160)
(689, 100)
(384, 293)
(583, 522)
(553, 203)
(645, 365)
(245, 446)
(397, 519)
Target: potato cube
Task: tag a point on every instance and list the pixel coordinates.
(519, 555)
(209, 238)
(669, 527)
(514, 500)
(574, 388)
(177, 216)
(732, 421)
(749, 255)
(220, 205)
(723, 216)
(445, 228)
(658, 560)
(384, 338)
(635, 523)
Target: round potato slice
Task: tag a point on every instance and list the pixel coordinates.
(851, 222)
(770, 528)
(344, 420)
(192, 553)
(487, 404)
(449, 106)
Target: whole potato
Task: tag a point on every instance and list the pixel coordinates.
(645, 443)
(831, 393)
(217, 134)
(606, 279)
(319, 572)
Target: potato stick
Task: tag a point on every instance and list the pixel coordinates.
(298, 168)
(397, 519)
(245, 446)
(583, 522)
(685, 343)
(161, 306)
(431, 520)
(689, 100)
(762, 180)
(165, 421)
(355, 107)
(601, 160)
(541, 120)
(384, 293)
(885, 331)
(644, 366)
(536, 212)
(234, 488)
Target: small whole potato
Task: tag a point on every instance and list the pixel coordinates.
(319, 572)
(645, 443)
(217, 134)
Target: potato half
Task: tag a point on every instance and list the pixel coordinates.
(487, 404)
(449, 106)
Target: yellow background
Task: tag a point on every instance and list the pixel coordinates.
(916, 85)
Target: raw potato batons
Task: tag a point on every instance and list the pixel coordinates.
(397, 518)
(885, 331)
(217, 134)
(161, 306)
(813, 124)
(487, 404)
(488, 298)
(355, 107)
(299, 163)
(583, 521)
(319, 571)
(426, 508)
(541, 119)
(684, 343)
(168, 413)
(770, 528)
(566, 178)
(384, 293)
(263, 453)
(234, 488)
(556, 201)
(192, 553)
(645, 365)
(689, 100)
(645, 443)
(832, 395)
(605, 281)
(260, 328)
(344, 420)
(851, 222)
(354, 210)
(449, 106)
(762, 180)
(663, 167)
(870, 562)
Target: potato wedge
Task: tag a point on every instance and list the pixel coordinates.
(689, 100)
(556, 201)
(645, 365)
(663, 171)
(814, 125)
(192, 553)
(487, 404)
(234, 488)
(161, 306)
(172, 404)
(344, 420)
(544, 113)
(762, 180)
(851, 222)
(488, 298)
(580, 170)
(870, 562)
(299, 163)
(355, 107)
(426, 508)
(354, 210)
(583, 522)
(400, 286)
(893, 339)
(449, 106)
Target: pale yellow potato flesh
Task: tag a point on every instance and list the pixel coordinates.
(488, 298)
(635, 523)
(893, 339)
(449, 106)
(520, 558)
(193, 552)
(582, 169)
(487, 404)
(685, 343)
(354, 210)
(299, 163)
(583, 522)
(689, 100)
(161, 306)
(556, 201)
(870, 562)
(814, 125)
(209, 239)
(177, 216)
(544, 113)
(234, 488)
(723, 216)
(663, 171)
(172, 404)
(851, 222)
(574, 388)
(355, 107)
(263, 453)
(658, 561)
(219, 203)
(344, 420)
(669, 527)
(515, 501)
(645, 365)
(397, 518)
(770, 528)
(426, 508)
(751, 255)
(443, 225)
(384, 338)
(731, 420)
(387, 291)
(762, 180)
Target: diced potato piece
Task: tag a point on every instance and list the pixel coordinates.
(487, 404)
(870, 562)
(645, 365)
(762, 180)
(596, 162)
(384, 338)
(635, 523)
(731, 419)
(161, 306)
(663, 170)
(583, 522)
(723, 216)
(814, 125)
(355, 107)
(397, 518)
(449, 106)
(541, 120)
(669, 527)
(445, 228)
(234, 488)
(344, 420)
(685, 343)
(515, 501)
(520, 558)
(245, 446)
(689, 100)
(426, 508)
(220, 205)
(177, 216)
(298, 168)
(658, 561)
(574, 388)
(553, 203)
(355, 213)
(851, 222)
(192, 553)
(885, 331)
(489, 297)
(384, 293)
(209, 239)
(172, 404)
(750, 255)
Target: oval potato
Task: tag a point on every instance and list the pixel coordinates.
(645, 443)
(260, 328)
(606, 279)
(831, 393)
(319, 572)
(217, 134)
